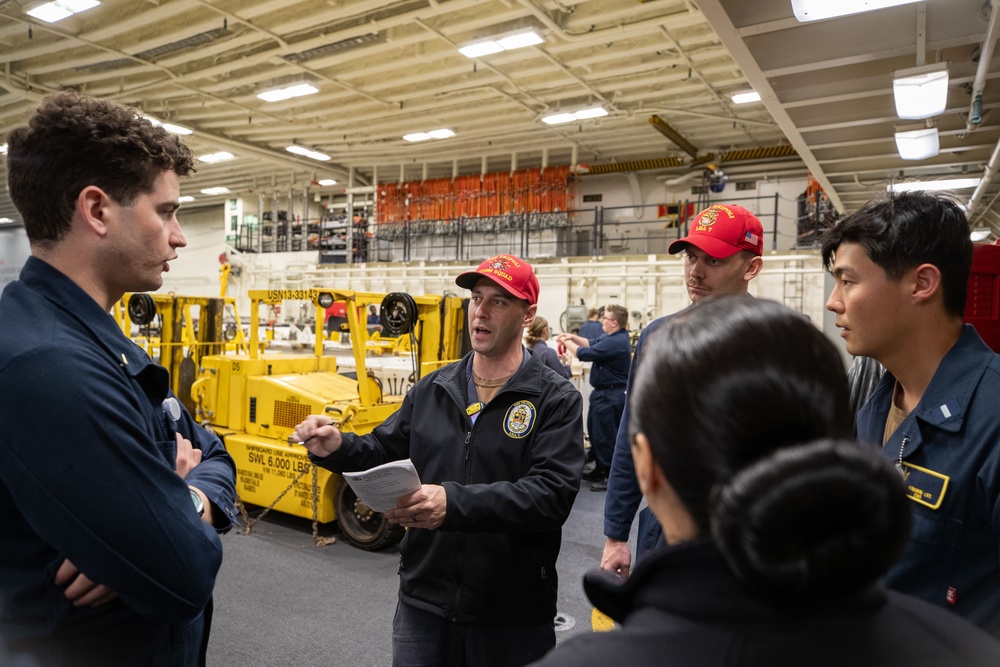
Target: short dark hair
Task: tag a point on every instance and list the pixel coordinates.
(904, 230)
(618, 313)
(73, 141)
(735, 390)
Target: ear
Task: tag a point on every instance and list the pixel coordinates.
(756, 264)
(529, 314)
(926, 282)
(647, 471)
(93, 207)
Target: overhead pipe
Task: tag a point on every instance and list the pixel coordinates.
(985, 56)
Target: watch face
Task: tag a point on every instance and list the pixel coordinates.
(199, 506)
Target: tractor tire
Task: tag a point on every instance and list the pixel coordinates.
(362, 526)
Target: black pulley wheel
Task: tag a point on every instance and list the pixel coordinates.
(398, 314)
(141, 309)
(361, 525)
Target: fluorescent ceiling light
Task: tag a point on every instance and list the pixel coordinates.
(443, 133)
(288, 92)
(921, 92)
(3, 149)
(486, 47)
(221, 156)
(979, 234)
(307, 152)
(520, 39)
(51, 12)
(746, 98)
(169, 127)
(932, 186)
(918, 144)
(479, 49)
(327, 182)
(185, 199)
(568, 117)
(815, 10)
(4, 221)
(215, 191)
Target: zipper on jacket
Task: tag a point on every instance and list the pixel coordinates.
(468, 437)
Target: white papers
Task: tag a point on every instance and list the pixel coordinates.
(381, 486)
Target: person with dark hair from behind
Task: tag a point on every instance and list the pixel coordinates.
(778, 528)
(901, 268)
(112, 496)
(535, 340)
(592, 328)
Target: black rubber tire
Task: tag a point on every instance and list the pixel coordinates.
(362, 526)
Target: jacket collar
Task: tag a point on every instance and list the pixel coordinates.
(947, 398)
(68, 297)
(692, 580)
(526, 379)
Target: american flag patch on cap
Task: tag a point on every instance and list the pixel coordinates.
(751, 238)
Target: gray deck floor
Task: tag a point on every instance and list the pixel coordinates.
(280, 600)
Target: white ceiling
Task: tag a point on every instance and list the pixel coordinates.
(386, 69)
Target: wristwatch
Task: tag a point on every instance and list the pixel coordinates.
(199, 506)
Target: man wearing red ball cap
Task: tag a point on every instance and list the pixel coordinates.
(722, 254)
(497, 439)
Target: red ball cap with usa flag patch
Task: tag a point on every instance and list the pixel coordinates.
(509, 272)
(722, 231)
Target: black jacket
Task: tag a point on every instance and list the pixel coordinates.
(683, 606)
(510, 481)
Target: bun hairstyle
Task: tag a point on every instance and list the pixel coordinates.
(812, 521)
(745, 405)
(535, 330)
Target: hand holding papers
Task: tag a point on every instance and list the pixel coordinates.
(381, 486)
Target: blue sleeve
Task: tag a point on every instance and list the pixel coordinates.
(97, 487)
(551, 359)
(604, 349)
(215, 476)
(623, 497)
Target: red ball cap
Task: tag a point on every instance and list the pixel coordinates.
(509, 272)
(722, 231)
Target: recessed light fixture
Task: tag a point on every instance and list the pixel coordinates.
(933, 186)
(486, 47)
(169, 127)
(326, 182)
(288, 92)
(918, 144)
(920, 92)
(221, 156)
(215, 191)
(184, 199)
(307, 152)
(815, 10)
(746, 98)
(443, 133)
(570, 116)
(50, 12)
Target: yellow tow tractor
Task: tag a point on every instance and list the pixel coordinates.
(253, 396)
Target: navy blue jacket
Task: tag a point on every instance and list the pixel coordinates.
(611, 357)
(87, 472)
(624, 496)
(950, 446)
(591, 330)
(550, 358)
